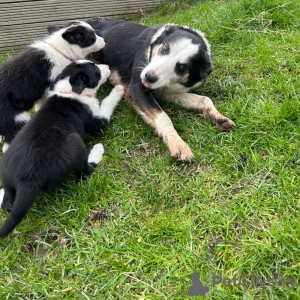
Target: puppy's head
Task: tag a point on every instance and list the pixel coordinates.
(78, 38)
(179, 58)
(82, 78)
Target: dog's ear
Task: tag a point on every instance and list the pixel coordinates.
(79, 82)
(72, 36)
(52, 29)
(69, 37)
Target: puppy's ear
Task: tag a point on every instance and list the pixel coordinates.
(72, 36)
(78, 82)
(52, 29)
(69, 37)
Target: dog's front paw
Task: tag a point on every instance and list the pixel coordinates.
(96, 154)
(223, 123)
(180, 150)
(119, 90)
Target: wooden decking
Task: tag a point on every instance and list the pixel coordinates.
(23, 21)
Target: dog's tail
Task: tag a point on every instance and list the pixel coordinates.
(25, 197)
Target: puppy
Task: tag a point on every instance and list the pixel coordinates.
(162, 62)
(25, 78)
(50, 146)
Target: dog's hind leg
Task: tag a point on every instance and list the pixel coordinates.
(7, 198)
(5, 147)
(93, 160)
(11, 124)
(87, 167)
(203, 105)
(84, 163)
(96, 155)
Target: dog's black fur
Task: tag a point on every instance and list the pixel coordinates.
(25, 78)
(50, 146)
(129, 48)
(131, 52)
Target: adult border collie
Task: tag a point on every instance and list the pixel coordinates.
(25, 78)
(50, 146)
(163, 62)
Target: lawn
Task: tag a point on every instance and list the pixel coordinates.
(143, 222)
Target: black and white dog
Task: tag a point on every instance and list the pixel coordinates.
(24, 80)
(50, 146)
(163, 62)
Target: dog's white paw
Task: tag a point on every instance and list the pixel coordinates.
(1, 196)
(118, 90)
(96, 154)
(5, 147)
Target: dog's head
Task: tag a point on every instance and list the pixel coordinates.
(179, 58)
(76, 39)
(81, 77)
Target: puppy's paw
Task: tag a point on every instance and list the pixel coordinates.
(180, 150)
(96, 154)
(1, 196)
(5, 147)
(223, 123)
(119, 90)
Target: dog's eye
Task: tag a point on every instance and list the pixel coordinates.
(183, 67)
(165, 49)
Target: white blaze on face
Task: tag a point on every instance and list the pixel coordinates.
(163, 65)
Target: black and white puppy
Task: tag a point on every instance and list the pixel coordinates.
(50, 146)
(24, 80)
(159, 62)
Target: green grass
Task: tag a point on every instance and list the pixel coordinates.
(232, 211)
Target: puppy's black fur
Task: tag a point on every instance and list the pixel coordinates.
(50, 146)
(25, 78)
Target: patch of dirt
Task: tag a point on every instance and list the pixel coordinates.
(101, 215)
(213, 242)
(42, 242)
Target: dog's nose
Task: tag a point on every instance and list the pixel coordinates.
(150, 77)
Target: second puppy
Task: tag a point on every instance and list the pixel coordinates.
(25, 79)
(50, 147)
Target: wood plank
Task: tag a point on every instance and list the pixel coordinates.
(23, 21)
(45, 4)
(59, 15)
(34, 32)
